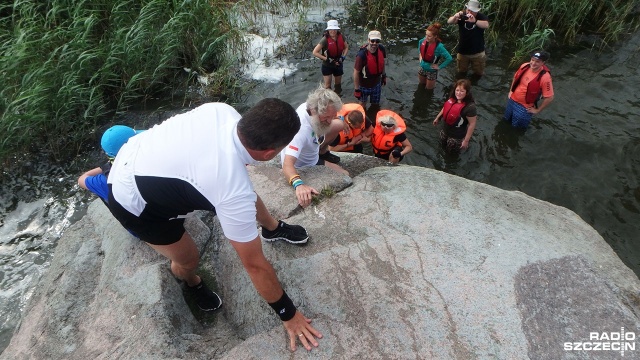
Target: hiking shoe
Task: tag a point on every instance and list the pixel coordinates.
(293, 234)
(328, 156)
(206, 299)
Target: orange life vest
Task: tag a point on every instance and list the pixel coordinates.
(451, 111)
(381, 142)
(428, 52)
(335, 47)
(344, 137)
(534, 88)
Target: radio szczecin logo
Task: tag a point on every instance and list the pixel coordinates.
(605, 341)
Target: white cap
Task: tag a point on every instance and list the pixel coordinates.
(375, 34)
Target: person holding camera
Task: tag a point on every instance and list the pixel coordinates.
(471, 26)
(332, 50)
(388, 139)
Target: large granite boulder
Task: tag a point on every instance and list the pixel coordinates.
(403, 263)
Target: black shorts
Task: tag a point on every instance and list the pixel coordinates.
(156, 232)
(329, 70)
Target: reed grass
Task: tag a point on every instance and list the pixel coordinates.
(68, 65)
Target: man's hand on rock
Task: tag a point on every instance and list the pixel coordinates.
(299, 329)
(305, 193)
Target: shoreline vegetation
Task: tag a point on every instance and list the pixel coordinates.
(69, 66)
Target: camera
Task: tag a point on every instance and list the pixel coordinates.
(464, 17)
(396, 153)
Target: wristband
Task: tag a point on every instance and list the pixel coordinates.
(296, 183)
(284, 307)
(296, 176)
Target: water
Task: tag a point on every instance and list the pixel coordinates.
(583, 152)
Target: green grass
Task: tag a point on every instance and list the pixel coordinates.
(326, 192)
(67, 66)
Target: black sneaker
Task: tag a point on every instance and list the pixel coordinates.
(206, 299)
(328, 156)
(294, 234)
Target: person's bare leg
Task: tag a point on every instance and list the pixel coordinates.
(184, 258)
(327, 81)
(338, 81)
(264, 217)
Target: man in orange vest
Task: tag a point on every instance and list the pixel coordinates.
(531, 83)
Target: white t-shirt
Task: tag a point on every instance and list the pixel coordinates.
(192, 161)
(304, 146)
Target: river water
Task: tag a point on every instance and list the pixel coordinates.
(582, 152)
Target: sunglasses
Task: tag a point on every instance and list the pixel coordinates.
(374, 41)
(387, 125)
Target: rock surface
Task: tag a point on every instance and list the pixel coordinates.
(403, 263)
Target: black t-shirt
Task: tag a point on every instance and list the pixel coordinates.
(471, 36)
(460, 132)
(396, 139)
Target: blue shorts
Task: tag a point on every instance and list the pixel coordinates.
(517, 115)
(373, 93)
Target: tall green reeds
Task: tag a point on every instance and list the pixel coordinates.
(532, 22)
(68, 64)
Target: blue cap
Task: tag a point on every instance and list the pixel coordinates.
(115, 137)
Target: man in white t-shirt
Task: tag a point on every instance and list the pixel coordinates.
(197, 161)
(318, 120)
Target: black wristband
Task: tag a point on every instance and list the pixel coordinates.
(284, 307)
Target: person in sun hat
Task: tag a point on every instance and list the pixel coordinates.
(332, 50)
(531, 83)
(95, 180)
(369, 70)
(471, 26)
(388, 139)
